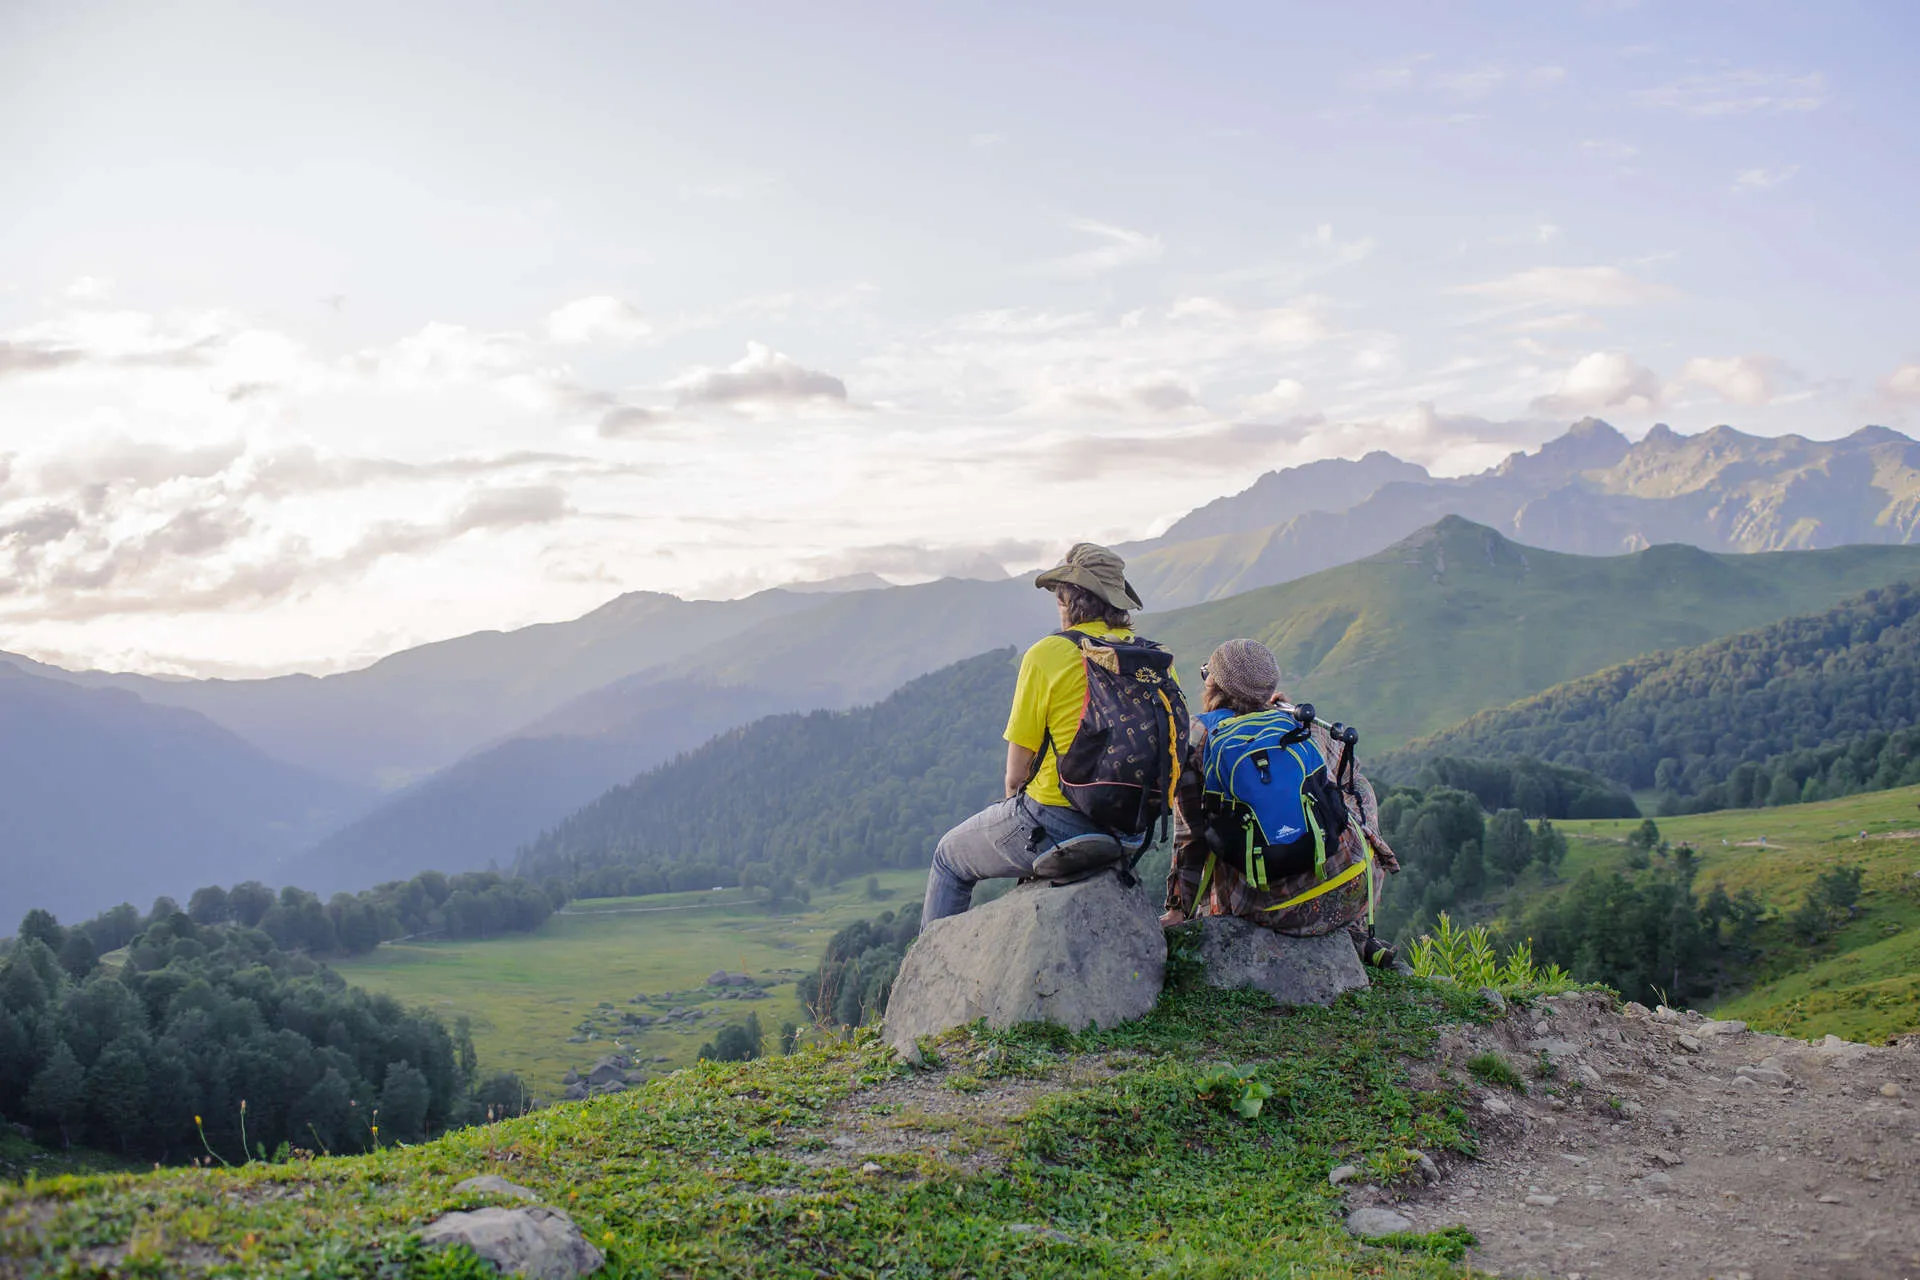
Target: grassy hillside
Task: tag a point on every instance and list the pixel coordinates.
(1802, 708)
(527, 994)
(1031, 1154)
(1864, 982)
(1457, 618)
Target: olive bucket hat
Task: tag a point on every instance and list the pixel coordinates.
(1099, 571)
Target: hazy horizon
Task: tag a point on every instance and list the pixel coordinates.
(326, 333)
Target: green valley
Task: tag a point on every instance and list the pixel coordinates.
(526, 994)
(1862, 981)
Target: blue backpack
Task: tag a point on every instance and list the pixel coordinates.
(1271, 805)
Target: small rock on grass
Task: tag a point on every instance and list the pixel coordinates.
(1429, 1171)
(1494, 998)
(871, 1166)
(494, 1184)
(1040, 1232)
(1343, 1173)
(1368, 1223)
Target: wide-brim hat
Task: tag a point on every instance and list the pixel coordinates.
(1099, 571)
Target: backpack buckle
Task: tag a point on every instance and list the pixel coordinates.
(1265, 767)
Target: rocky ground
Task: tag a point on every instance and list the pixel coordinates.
(1656, 1143)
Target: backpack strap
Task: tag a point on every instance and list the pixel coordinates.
(1328, 886)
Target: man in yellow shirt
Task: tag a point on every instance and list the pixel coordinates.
(1095, 600)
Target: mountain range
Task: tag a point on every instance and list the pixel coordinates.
(455, 753)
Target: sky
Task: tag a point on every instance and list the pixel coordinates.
(330, 329)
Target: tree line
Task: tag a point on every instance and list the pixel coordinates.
(1807, 708)
(212, 1041)
(473, 904)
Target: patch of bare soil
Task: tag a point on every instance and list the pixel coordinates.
(1664, 1144)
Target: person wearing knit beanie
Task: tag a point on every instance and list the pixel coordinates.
(1246, 674)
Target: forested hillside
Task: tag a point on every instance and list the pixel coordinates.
(1807, 708)
(213, 1042)
(1458, 618)
(817, 796)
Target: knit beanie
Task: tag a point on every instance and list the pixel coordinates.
(1245, 670)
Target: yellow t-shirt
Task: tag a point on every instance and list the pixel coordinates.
(1047, 699)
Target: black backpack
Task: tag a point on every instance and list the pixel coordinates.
(1125, 759)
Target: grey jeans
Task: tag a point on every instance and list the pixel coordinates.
(997, 841)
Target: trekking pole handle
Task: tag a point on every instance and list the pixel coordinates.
(1338, 732)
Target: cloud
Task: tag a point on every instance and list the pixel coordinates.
(89, 289)
(1736, 93)
(1602, 380)
(763, 378)
(1761, 179)
(1155, 397)
(986, 140)
(1742, 380)
(1573, 287)
(35, 357)
(1903, 384)
(1285, 396)
(601, 318)
(39, 527)
(629, 420)
(1118, 247)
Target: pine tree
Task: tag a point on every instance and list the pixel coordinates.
(58, 1094)
(1509, 843)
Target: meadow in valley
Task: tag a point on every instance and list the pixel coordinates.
(527, 994)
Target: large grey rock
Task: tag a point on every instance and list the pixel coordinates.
(1292, 970)
(537, 1242)
(1086, 954)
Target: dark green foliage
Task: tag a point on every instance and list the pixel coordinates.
(816, 797)
(40, 926)
(1809, 708)
(1644, 935)
(1549, 846)
(205, 1020)
(736, 1042)
(1509, 843)
(1833, 900)
(1439, 836)
(1536, 789)
(210, 905)
(858, 969)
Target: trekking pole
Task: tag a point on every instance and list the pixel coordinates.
(1345, 734)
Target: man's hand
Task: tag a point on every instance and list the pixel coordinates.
(1173, 917)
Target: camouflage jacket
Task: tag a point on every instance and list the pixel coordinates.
(1230, 894)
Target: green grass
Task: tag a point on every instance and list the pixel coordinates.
(1864, 982)
(525, 994)
(1491, 1068)
(715, 1171)
(1422, 635)
(21, 1159)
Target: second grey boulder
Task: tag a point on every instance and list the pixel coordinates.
(1294, 971)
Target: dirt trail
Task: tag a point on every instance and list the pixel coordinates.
(1681, 1147)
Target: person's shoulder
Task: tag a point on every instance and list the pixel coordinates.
(1054, 648)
